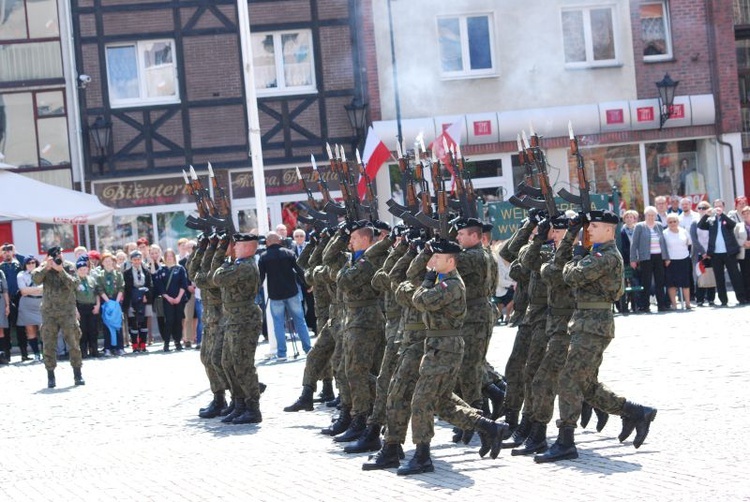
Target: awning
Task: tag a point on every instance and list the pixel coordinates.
(23, 198)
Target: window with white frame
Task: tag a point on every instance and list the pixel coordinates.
(466, 44)
(142, 73)
(655, 31)
(589, 37)
(284, 62)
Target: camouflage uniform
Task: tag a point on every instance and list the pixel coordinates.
(334, 259)
(363, 328)
(517, 359)
(199, 269)
(382, 283)
(241, 322)
(443, 310)
(561, 305)
(597, 280)
(472, 267)
(59, 312)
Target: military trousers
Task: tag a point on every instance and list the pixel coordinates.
(471, 374)
(544, 386)
(433, 393)
(514, 393)
(318, 363)
(401, 386)
(537, 349)
(360, 346)
(387, 367)
(51, 325)
(238, 357)
(579, 381)
(211, 348)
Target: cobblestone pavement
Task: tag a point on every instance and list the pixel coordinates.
(132, 432)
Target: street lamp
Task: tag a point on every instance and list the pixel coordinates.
(357, 114)
(101, 134)
(666, 88)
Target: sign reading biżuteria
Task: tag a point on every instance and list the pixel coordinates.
(506, 218)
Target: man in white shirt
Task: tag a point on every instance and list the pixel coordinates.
(688, 216)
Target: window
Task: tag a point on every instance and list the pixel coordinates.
(142, 73)
(589, 37)
(655, 31)
(34, 129)
(466, 46)
(283, 62)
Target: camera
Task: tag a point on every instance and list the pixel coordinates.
(56, 254)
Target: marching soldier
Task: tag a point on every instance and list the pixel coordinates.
(241, 323)
(597, 280)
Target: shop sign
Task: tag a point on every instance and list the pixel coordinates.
(281, 182)
(145, 192)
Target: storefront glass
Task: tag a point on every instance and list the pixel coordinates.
(684, 168)
(611, 166)
(124, 229)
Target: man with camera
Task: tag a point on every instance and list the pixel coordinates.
(59, 312)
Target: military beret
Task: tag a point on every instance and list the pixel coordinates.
(604, 217)
(95, 255)
(487, 228)
(135, 254)
(468, 223)
(357, 225)
(443, 246)
(560, 222)
(54, 250)
(238, 237)
(82, 263)
(381, 225)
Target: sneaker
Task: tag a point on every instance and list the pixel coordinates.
(197, 346)
(107, 353)
(281, 359)
(269, 357)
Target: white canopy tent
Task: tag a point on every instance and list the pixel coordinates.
(23, 198)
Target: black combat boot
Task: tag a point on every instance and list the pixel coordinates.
(536, 442)
(51, 379)
(304, 402)
(251, 415)
(326, 394)
(563, 449)
(601, 419)
(368, 441)
(458, 433)
(213, 409)
(262, 387)
(334, 403)
(496, 396)
(638, 417)
(419, 463)
(339, 425)
(227, 409)
(491, 433)
(354, 431)
(77, 377)
(511, 418)
(386, 458)
(239, 409)
(586, 410)
(519, 435)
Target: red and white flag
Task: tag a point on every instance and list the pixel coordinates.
(451, 136)
(374, 156)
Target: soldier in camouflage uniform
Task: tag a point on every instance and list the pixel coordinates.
(370, 439)
(597, 280)
(514, 392)
(241, 322)
(442, 300)
(199, 270)
(364, 325)
(543, 387)
(59, 312)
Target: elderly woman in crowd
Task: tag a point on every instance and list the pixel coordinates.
(29, 307)
(649, 255)
(171, 283)
(679, 266)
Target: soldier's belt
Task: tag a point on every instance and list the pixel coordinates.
(362, 303)
(436, 333)
(415, 326)
(555, 311)
(593, 306)
(476, 301)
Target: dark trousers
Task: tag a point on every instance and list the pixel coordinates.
(5, 343)
(89, 329)
(648, 270)
(719, 261)
(173, 315)
(308, 303)
(745, 270)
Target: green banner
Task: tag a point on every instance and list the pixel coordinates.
(506, 218)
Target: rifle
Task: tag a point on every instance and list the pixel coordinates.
(331, 207)
(584, 198)
(407, 176)
(223, 218)
(524, 197)
(310, 206)
(544, 185)
(200, 222)
(439, 226)
(372, 200)
(341, 169)
(464, 187)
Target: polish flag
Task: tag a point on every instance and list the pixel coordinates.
(451, 136)
(374, 156)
